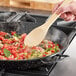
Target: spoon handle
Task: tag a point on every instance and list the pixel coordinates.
(54, 16)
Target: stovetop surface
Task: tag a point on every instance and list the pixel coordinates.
(41, 71)
(44, 70)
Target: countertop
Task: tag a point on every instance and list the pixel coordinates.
(48, 1)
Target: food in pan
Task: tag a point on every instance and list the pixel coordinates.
(12, 47)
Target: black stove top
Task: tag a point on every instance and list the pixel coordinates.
(41, 71)
(46, 69)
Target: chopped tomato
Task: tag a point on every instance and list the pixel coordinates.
(3, 58)
(13, 32)
(53, 51)
(13, 47)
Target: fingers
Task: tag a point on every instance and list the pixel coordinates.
(61, 10)
(75, 18)
(68, 16)
(64, 9)
(68, 12)
(64, 16)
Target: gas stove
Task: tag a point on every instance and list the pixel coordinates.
(69, 29)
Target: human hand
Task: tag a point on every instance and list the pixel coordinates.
(67, 12)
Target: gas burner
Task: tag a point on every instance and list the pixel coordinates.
(6, 16)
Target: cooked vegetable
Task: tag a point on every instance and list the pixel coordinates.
(7, 53)
(12, 47)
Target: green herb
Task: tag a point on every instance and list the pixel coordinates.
(7, 53)
(16, 35)
(33, 52)
(55, 50)
(18, 48)
(38, 54)
(6, 36)
(48, 49)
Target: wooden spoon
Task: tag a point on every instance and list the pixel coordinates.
(38, 34)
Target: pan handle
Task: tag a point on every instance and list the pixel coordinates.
(57, 59)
